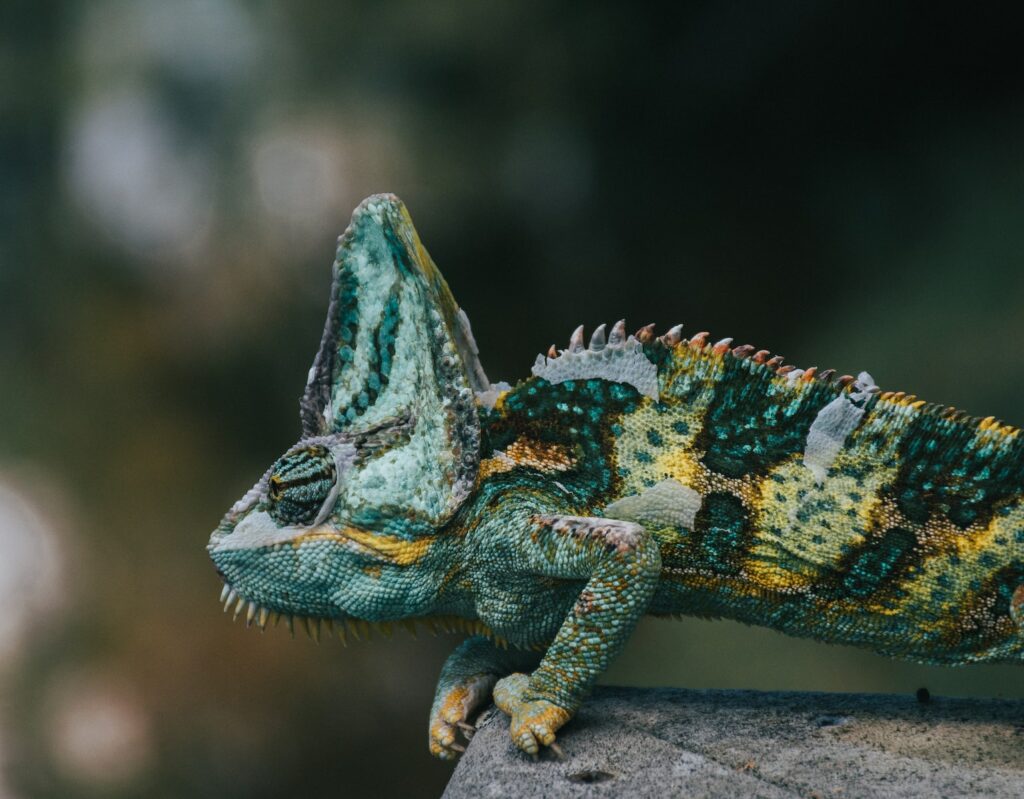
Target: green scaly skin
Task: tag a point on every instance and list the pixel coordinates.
(638, 474)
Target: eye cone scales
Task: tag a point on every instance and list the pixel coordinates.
(300, 484)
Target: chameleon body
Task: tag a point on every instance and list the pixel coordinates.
(631, 475)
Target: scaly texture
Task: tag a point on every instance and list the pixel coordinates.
(634, 474)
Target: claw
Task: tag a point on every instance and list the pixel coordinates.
(457, 747)
(468, 730)
(557, 750)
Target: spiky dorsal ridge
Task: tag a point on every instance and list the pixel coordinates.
(762, 360)
(616, 357)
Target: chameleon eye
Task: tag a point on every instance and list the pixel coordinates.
(300, 484)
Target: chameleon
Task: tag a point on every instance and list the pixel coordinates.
(629, 474)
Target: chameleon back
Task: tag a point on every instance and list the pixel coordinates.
(825, 509)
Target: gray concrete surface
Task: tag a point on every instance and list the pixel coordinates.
(673, 742)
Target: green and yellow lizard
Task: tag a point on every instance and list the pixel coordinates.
(634, 474)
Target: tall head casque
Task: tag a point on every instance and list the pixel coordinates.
(389, 411)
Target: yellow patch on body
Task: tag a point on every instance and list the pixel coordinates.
(678, 430)
(807, 526)
(994, 542)
(671, 459)
(399, 551)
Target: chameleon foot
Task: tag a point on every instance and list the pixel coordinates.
(450, 715)
(534, 721)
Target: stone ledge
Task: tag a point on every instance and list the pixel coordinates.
(674, 742)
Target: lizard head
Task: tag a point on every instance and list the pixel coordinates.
(390, 443)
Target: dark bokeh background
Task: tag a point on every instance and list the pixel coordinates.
(840, 182)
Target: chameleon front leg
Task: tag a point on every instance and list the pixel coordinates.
(465, 684)
(621, 563)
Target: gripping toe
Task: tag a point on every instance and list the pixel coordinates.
(534, 720)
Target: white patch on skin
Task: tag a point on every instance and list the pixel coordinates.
(258, 530)
(667, 504)
(489, 397)
(618, 363)
(833, 424)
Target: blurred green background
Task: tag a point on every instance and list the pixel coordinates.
(840, 182)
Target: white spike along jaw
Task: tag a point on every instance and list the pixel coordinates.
(254, 614)
(360, 629)
(598, 340)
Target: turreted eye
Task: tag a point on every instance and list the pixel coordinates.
(300, 484)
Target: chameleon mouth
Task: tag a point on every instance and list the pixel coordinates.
(258, 530)
(360, 629)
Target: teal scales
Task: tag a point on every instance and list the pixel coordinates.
(629, 475)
